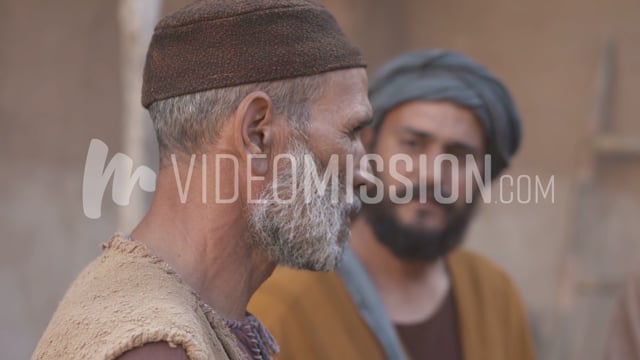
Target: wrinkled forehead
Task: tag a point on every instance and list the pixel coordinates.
(346, 91)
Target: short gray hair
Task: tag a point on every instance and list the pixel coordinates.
(186, 123)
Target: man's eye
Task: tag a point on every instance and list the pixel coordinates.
(410, 143)
(355, 131)
(463, 157)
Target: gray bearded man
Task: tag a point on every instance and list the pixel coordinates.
(250, 80)
(406, 289)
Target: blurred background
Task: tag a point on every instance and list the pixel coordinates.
(70, 72)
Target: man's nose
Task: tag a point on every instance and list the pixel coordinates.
(437, 172)
(362, 173)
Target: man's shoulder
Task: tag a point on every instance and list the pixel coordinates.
(122, 300)
(127, 274)
(287, 283)
(473, 268)
(294, 290)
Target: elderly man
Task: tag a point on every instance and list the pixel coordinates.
(406, 289)
(234, 85)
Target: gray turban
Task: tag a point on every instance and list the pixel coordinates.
(439, 75)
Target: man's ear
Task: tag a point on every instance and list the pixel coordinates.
(254, 130)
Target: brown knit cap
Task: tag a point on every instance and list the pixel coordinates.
(219, 43)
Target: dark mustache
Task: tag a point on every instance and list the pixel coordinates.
(430, 192)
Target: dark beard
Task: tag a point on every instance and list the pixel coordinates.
(410, 243)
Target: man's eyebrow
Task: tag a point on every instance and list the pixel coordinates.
(418, 133)
(369, 113)
(454, 144)
(364, 119)
(464, 146)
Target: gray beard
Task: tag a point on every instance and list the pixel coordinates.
(302, 234)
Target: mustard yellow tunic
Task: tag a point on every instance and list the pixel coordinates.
(313, 317)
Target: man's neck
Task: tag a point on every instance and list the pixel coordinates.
(206, 244)
(411, 291)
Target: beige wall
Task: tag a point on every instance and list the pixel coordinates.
(59, 88)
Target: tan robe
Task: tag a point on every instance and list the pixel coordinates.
(313, 317)
(624, 332)
(127, 298)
